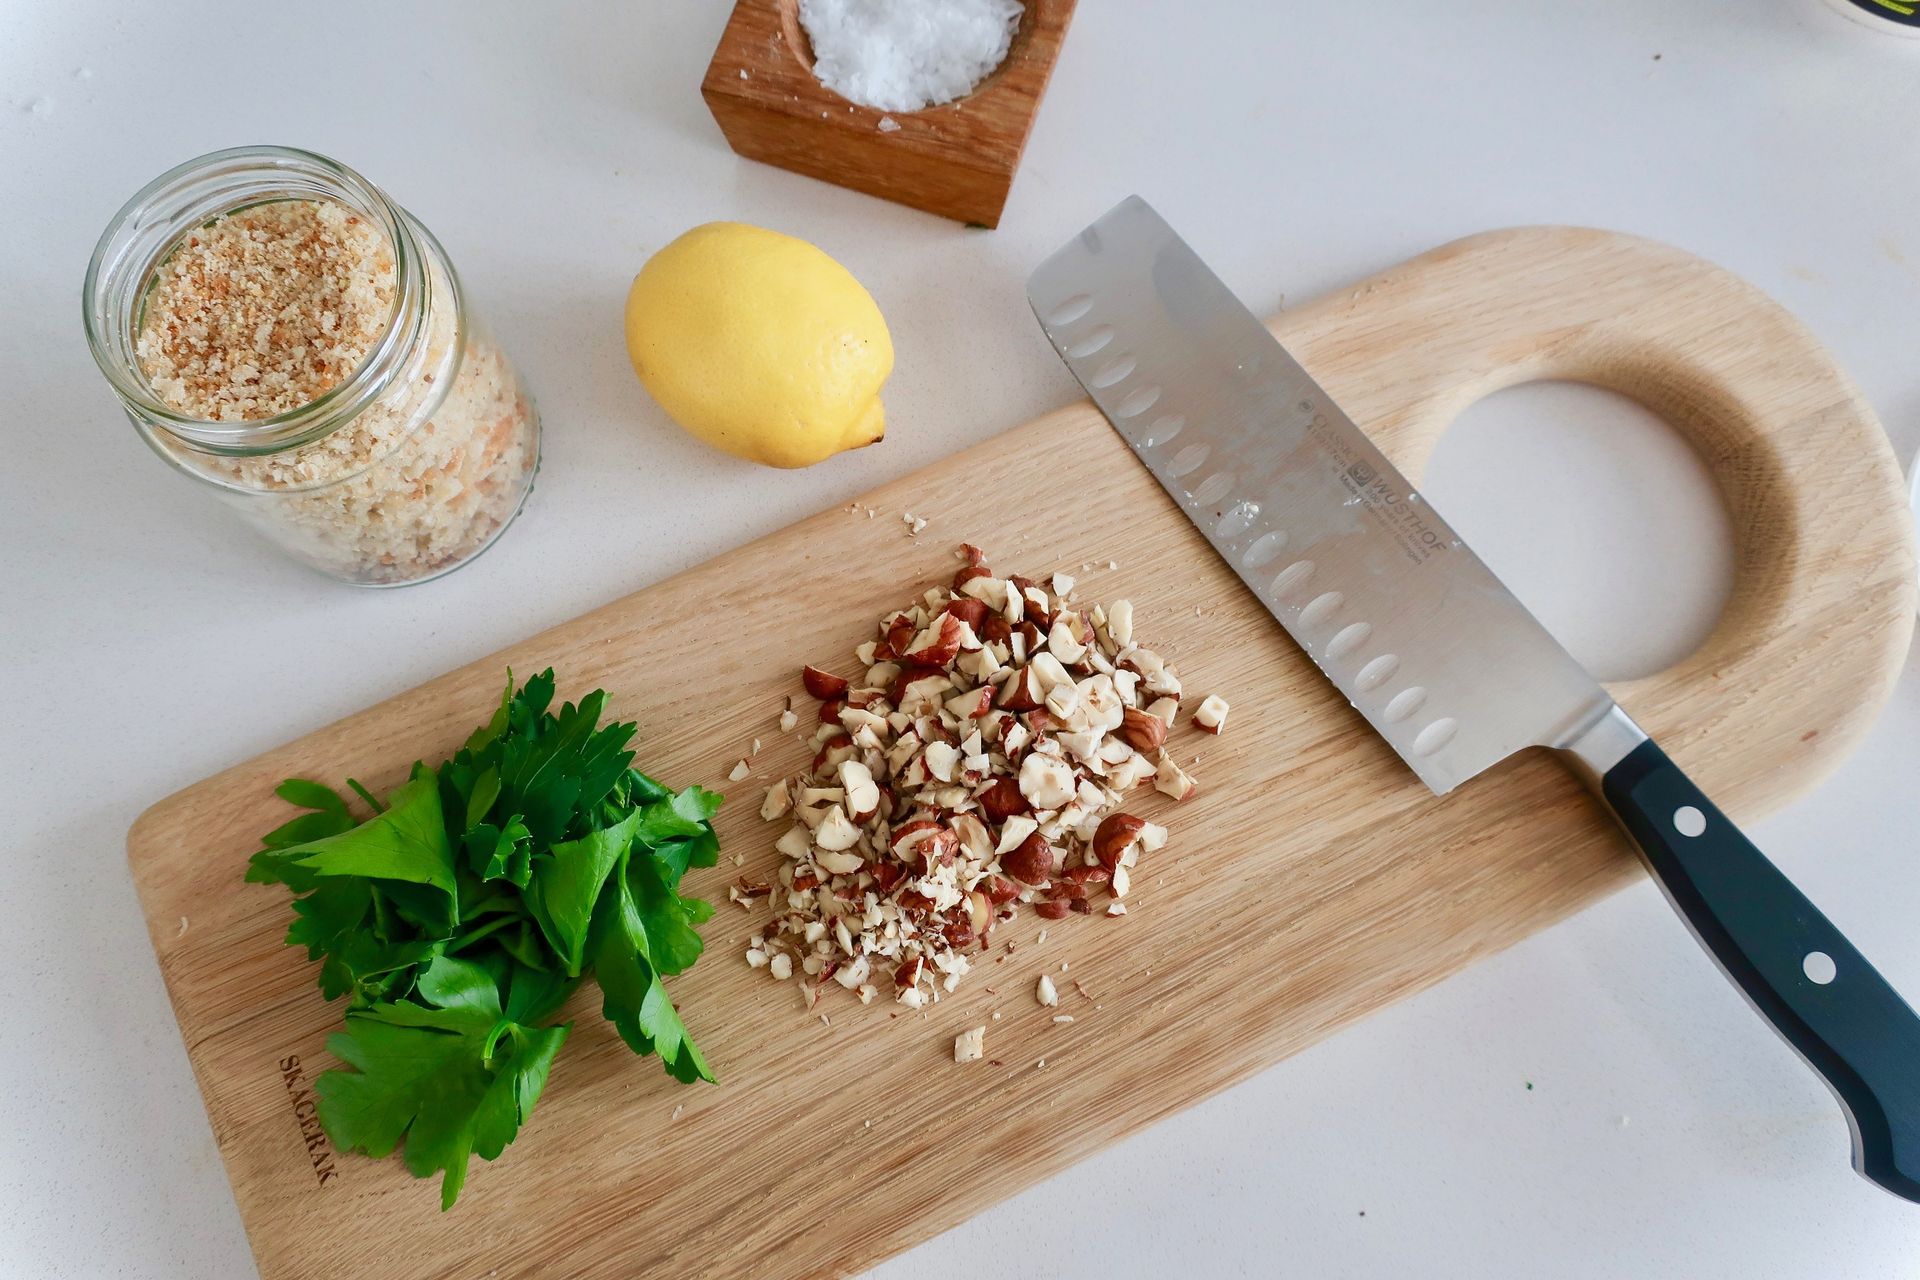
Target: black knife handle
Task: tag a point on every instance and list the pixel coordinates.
(1852, 1028)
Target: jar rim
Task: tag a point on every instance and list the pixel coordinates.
(150, 225)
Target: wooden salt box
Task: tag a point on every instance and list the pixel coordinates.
(956, 160)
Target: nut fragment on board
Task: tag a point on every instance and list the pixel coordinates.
(970, 1046)
(743, 891)
(995, 728)
(1170, 779)
(1211, 714)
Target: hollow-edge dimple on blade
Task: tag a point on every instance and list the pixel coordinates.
(1366, 577)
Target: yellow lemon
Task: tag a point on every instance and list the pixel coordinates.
(759, 344)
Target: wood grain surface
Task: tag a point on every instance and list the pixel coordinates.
(1312, 880)
(956, 159)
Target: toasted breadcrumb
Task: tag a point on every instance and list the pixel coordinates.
(266, 309)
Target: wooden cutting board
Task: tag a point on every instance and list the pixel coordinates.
(1312, 880)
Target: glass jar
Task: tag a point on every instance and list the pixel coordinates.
(406, 469)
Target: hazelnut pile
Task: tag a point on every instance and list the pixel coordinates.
(978, 763)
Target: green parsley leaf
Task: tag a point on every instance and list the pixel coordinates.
(408, 843)
(550, 769)
(669, 919)
(497, 725)
(637, 789)
(632, 997)
(481, 796)
(308, 794)
(460, 916)
(567, 882)
(332, 923)
(680, 832)
(494, 853)
(330, 816)
(451, 1078)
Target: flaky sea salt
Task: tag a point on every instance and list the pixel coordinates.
(906, 55)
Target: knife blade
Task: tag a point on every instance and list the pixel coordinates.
(1431, 647)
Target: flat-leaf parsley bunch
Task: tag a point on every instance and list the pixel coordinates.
(460, 916)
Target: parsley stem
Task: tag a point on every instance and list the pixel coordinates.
(472, 936)
(366, 795)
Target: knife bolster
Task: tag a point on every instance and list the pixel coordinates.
(1603, 743)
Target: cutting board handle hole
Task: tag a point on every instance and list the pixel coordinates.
(1599, 514)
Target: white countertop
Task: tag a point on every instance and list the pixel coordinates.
(1594, 1102)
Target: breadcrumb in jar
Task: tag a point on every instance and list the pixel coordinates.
(265, 310)
(268, 308)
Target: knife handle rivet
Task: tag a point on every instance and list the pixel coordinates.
(1689, 821)
(1404, 704)
(1435, 736)
(1071, 309)
(1819, 968)
(1113, 373)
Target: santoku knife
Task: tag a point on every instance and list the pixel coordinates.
(1431, 648)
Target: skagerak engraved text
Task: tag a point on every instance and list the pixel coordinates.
(306, 1114)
